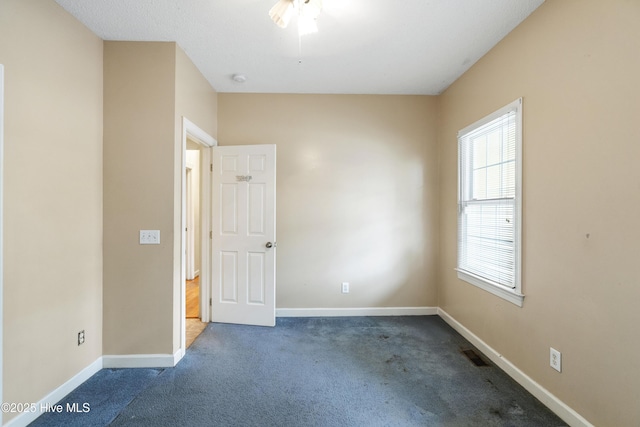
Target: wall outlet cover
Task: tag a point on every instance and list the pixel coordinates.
(555, 359)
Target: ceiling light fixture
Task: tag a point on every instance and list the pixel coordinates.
(308, 12)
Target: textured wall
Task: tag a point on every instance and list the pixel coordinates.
(53, 197)
(356, 194)
(576, 64)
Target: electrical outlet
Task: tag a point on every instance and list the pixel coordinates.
(81, 337)
(345, 287)
(149, 237)
(555, 359)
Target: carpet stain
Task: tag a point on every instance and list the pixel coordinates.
(515, 409)
(496, 412)
(396, 359)
(495, 387)
(383, 337)
(475, 358)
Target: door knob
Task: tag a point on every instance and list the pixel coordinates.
(270, 245)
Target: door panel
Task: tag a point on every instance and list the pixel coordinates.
(256, 271)
(229, 209)
(243, 187)
(229, 276)
(257, 206)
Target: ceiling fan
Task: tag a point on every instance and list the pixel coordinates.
(307, 11)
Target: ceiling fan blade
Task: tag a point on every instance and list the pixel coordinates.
(281, 13)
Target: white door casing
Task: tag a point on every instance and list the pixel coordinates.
(243, 234)
(189, 229)
(1, 222)
(191, 131)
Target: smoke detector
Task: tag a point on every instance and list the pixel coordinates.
(239, 78)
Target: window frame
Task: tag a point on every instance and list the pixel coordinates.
(513, 295)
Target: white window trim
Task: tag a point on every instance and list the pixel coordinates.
(513, 295)
(503, 292)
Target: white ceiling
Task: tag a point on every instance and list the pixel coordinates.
(362, 47)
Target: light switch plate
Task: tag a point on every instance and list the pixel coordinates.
(149, 237)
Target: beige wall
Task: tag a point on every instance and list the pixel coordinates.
(197, 101)
(53, 197)
(356, 190)
(195, 98)
(149, 87)
(139, 140)
(576, 64)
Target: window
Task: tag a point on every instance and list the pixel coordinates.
(490, 203)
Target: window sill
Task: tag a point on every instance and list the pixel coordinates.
(507, 294)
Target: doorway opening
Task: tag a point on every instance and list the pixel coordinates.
(195, 259)
(193, 249)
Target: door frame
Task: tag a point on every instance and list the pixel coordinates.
(191, 131)
(191, 237)
(1, 230)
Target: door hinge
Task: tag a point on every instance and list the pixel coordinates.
(210, 301)
(211, 234)
(211, 167)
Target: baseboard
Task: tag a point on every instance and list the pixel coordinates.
(178, 355)
(142, 360)
(560, 408)
(56, 395)
(351, 312)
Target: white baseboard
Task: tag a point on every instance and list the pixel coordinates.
(178, 355)
(56, 395)
(142, 360)
(350, 312)
(560, 408)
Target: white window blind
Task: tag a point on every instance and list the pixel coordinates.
(489, 202)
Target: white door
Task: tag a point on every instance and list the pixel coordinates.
(244, 232)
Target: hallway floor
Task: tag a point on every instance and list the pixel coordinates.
(194, 326)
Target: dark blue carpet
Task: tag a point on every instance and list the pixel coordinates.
(366, 371)
(99, 399)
